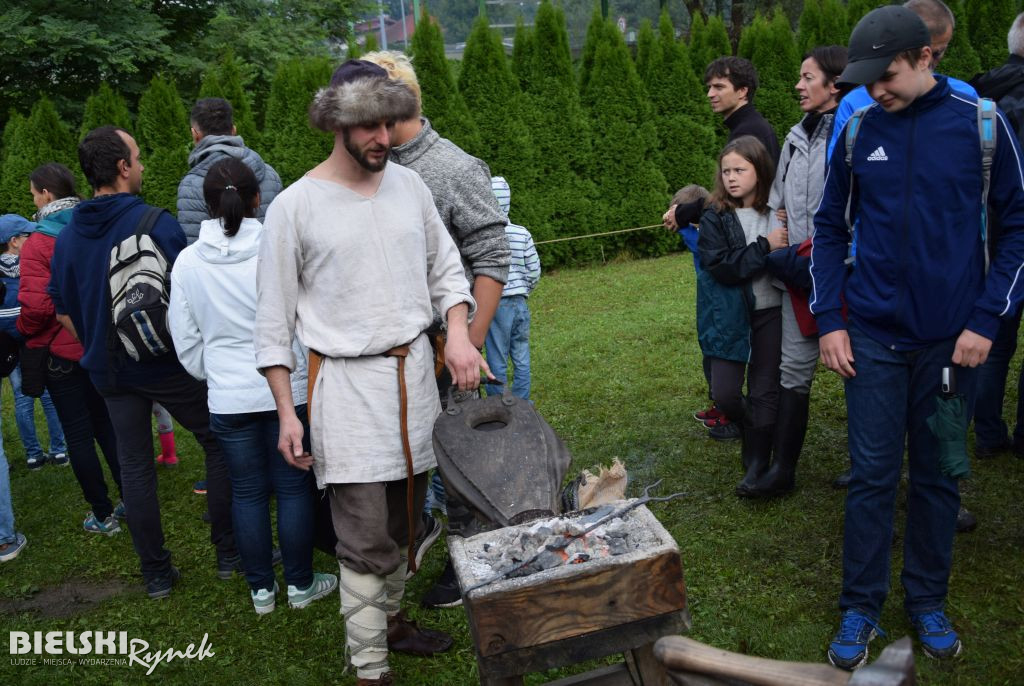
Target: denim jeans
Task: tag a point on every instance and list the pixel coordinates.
(509, 336)
(990, 431)
(7, 534)
(25, 416)
(888, 403)
(257, 469)
(131, 409)
(85, 419)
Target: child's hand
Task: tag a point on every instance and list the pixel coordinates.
(778, 238)
(669, 218)
(781, 215)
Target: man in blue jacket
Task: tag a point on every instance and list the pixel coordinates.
(80, 290)
(919, 299)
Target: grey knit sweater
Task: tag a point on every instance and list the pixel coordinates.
(461, 186)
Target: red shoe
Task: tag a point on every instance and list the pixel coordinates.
(711, 413)
(171, 461)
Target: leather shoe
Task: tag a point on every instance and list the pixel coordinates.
(385, 679)
(842, 481)
(405, 637)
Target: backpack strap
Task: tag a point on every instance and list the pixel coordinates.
(987, 137)
(852, 129)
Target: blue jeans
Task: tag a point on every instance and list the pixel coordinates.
(257, 469)
(7, 534)
(509, 336)
(990, 431)
(24, 415)
(887, 403)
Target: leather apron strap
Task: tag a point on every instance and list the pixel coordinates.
(400, 352)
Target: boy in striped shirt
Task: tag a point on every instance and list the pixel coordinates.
(509, 334)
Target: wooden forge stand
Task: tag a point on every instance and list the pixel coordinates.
(574, 613)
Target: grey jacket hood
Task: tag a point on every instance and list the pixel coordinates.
(208, 151)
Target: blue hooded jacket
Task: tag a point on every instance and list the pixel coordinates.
(79, 286)
(920, 272)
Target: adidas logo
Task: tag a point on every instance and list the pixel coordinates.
(878, 155)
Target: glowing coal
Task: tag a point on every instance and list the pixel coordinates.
(555, 542)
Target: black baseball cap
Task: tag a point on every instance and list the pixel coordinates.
(882, 34)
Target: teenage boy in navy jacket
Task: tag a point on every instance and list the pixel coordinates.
(919, 299)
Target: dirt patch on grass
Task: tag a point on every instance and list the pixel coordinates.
(71, 598)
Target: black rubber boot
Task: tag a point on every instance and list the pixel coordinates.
(790, 429)
(756, 453)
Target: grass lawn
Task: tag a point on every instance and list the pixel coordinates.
(616, 371)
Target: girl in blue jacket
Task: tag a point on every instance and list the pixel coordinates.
(738, 308)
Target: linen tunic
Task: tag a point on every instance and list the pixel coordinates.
(355, 276)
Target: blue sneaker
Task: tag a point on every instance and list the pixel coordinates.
(119, 511)
(938, 638)
(108, 526)
(9, 551)
(849, 648)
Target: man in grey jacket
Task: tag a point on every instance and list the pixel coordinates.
(215, 137)
(461, 186)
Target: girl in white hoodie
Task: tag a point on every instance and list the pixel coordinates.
(212, 312)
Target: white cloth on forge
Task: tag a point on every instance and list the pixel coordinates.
(355, 276)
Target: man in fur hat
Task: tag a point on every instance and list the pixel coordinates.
(353, 258)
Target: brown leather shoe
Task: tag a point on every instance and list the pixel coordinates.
(405, 637)
(385, 679)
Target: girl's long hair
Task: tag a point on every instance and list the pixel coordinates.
(752, 150)
(230, 191)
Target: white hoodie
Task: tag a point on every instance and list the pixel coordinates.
(212, 311)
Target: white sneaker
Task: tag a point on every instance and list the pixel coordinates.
(264, 601)
(323, 584)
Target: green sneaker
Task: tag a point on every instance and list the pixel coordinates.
(322, 585)
(264, 601)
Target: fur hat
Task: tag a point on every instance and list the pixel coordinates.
(361, 93)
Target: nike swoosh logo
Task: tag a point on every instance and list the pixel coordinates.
(876, 47)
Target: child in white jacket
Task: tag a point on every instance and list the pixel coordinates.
(212, 313)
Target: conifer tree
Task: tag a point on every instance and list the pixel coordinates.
(353, 51)
(989, 21)
(718, 44)
(596, 33)
(961, 61)
(28, 143)
(698, 44)
(523, 48)
(751, 36)
(491, 93)
(625, 144)
(810, 28)
(290, 144)
(688, 142)
(162, 136)
(778, 66)
(834, 25)
(105, 106)
(645, 46)
(856, 9)
(565, 197)
(234, 91)
(442, 103)
(211, 86)
(370, 43)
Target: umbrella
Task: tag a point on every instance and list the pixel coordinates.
(949, 425)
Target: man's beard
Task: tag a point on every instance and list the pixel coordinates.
(360, 157)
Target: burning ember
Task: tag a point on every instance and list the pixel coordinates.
(551, 543)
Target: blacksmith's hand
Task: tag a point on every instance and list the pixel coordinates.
(971, 349)
(289, 442)
(837, 354)
(464, 361)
